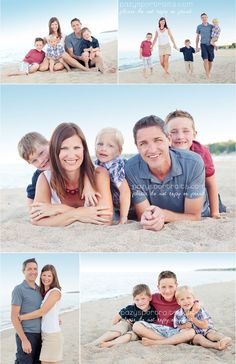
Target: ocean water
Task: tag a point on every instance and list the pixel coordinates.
(69, 302)
(131, 60)
(95, 286)
(18, 175)
(9, 55)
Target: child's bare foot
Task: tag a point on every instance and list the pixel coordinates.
(105, 344)
(148, 342)
(225, 343)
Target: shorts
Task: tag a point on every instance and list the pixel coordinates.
(165, 331)
(147, 62)
(25, 67)
(207, 52)
(124, 327)
(52, 347)
(33, 357)
(189, 65)
(164, 49)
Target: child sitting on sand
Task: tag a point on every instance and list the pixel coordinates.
(200, 321)
(181, 128)
(187, 51)
(146, 54)
(108, 145)
(89, 50)
(121, 331)
(215, 33)
(54, 53)
(32, 59)
(34, 149)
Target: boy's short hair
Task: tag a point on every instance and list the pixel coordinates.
(187, 40)
(27, 144)
(148, 121)
(166, 274)
(75, 19)
(141, 288)
(52, 37)
(180, 114)
(117, 135)
(149, 34)
(31, 260)
(183, 288)
(38, 39)
(215, 20)
(85, 29)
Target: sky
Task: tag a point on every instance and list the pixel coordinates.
(136, 18)
(153, 262)
(22, 21)
(66, 264)
(41, 108)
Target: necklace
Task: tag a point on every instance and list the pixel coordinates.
(72, 191)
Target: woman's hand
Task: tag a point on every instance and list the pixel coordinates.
(99, 215)
(20, 318)
(90, 197)
(39, 210)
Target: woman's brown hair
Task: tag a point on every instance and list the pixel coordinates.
(52, 20)
(55, 282)
(59, 178)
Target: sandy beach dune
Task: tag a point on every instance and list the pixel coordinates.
(109, 51)
(223, 71)
(214, 297)
(17, 233)
(70, 329)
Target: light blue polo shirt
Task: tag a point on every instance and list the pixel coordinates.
(205, 32)
(29, 299)
(73, 42)
(186, 179)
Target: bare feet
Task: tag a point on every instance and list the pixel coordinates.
(225, 343)
(105, 344)
(149, 342)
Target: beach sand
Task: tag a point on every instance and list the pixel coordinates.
(215, 298)
(109, 51)
(70, 329)
(17, 233)
(223, 71)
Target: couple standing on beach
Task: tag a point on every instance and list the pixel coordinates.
(208, 33)
(35, 316)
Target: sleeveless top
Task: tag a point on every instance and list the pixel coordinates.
(163, 37)
(50, 321)
(54, 197)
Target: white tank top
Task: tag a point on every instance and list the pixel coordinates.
(163, 37)
(54, 197)
(50, 321)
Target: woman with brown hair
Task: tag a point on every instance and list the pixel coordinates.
(59, 191)
(54, 29)
(52, 340)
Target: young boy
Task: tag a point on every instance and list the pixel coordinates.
(54, 53)
(215, 33)
(32, 59)
(162, 331)
(182, 132)
(89, 50)
(34, 149)
(187, 51)
(200, 321)
(121, 331)
(146, 54)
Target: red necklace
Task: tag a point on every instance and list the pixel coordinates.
(72, 191)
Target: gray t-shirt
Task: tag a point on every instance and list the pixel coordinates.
(73, 42)
(205, 33)
(186, 179)
(29, 299)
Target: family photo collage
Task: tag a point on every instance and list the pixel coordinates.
(118, 183)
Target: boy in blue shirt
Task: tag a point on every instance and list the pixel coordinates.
(187, 51)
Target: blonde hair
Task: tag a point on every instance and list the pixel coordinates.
(117, 135)
(28, 143)
(180, 114)
(215, 20)
(181, 289)
(52, 37)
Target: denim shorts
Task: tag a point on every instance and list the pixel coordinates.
(207, 52)
(165, 331)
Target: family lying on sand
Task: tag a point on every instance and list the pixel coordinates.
(169, 317)
(171, 178)
(79, 50)
(35, 316)
(209, 34)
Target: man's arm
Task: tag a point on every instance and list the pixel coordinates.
(71, 53)
(26, 346)
(197, 42)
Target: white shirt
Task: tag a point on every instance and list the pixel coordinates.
(163, 37)
(50, 321)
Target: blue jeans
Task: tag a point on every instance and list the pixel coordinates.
(33, 357)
